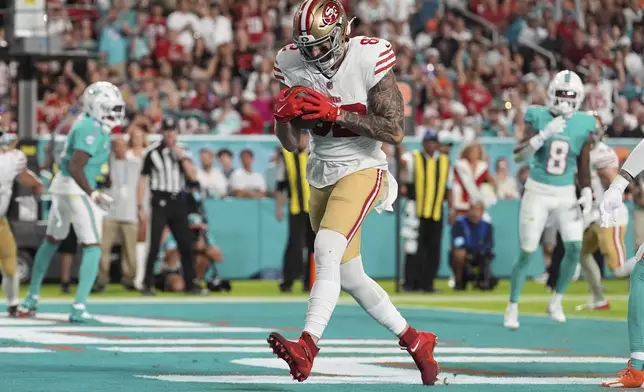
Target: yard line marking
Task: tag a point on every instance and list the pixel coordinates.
(327, 350)
(411, 379)
(344, 300)
(23, 350)
(341, 361)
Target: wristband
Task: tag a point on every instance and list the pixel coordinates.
(620, 183)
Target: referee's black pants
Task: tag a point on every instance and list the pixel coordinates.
(298, 248)
(421, 270)
(170, 210)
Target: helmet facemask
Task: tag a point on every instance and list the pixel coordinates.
(112, 115)
(322, 55)
(564, 102)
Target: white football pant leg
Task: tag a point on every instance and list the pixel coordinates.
(533, 216)
(593, 277)
(59, 218)
(11, 287)
(87, 219)
(570, 219)
(329, 249)
(368, 294)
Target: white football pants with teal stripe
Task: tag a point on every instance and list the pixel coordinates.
(542, 205)
(78, 211)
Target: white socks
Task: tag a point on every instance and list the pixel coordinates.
(11, 287)
(329, 249)
(141, 259)
(368, 294)
(556, 299)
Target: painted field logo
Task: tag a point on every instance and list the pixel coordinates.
(244, 357)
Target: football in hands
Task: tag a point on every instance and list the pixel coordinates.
(298, 122)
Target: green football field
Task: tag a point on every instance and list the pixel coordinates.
(217, 343)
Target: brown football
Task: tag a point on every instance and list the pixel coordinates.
(298, 122)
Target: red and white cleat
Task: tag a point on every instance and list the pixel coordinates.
(601, 305)
(298, 355)
(627, 378)
(422, 351)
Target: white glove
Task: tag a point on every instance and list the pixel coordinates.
(586, 200)
(554, 127)
(613, 199)
(102, 200)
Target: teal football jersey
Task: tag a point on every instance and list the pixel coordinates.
(86, 135)
(556, 162)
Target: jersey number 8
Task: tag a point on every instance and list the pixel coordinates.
(557, 157)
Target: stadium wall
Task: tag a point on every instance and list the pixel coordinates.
(253, 241)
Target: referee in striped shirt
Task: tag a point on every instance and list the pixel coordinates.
(167, 168)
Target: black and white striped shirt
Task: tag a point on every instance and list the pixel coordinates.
(164, 170)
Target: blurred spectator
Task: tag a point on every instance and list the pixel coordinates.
(212, 181)
(226, 119)
(137, 144)
(471, 172)
(209, 63)
(471, 250)
(246, 183)
(618, 128)
(506, 186)
(225, 158)
(522, 177)
(122, 218)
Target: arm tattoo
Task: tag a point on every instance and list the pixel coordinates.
(385, 118)
(288, 136)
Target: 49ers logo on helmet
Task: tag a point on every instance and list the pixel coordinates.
(331, 13)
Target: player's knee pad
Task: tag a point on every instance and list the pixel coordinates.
(360, 286)
(352, 275)
(8, 265)
(329, 248)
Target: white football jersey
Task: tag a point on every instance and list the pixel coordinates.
(602, 156)
(335, 151)
(11, 164)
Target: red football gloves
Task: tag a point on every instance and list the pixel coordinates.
(319, 106)
(288, 105)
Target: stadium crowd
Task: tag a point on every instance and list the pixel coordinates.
(475, 64)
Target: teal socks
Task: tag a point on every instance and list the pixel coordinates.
(87, 273)
(568, 265)
(519, 272)
(44, 256)
(636, 315)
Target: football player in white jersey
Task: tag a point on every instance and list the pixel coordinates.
(609, 240)
(346, 88)
(13, 166)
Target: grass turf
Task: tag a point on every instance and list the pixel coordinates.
(533, 301)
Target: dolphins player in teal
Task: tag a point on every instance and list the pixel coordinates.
(558, 140)
(75, 200)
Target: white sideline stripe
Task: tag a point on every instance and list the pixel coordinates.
(428, 299)
(327, 350)
(343, 301)
(329, 346)
(444, 379)
(274, 362)
(23, 350)
(212, 329)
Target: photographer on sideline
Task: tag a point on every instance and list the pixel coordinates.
(471, 254)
